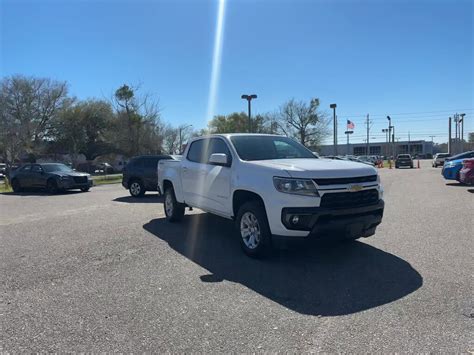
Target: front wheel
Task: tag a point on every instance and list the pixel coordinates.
(253, 229)
(174, 210)
(52, 186)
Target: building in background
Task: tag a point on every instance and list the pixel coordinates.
(420, 148)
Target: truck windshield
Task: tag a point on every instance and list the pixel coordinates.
(269, 147)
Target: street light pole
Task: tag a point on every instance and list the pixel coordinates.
(385, 130)
(181, 129)
(333, 106)
(249, 99)
(348, 146)
(389, 132)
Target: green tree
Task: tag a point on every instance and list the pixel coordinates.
(237, 122)
(85, 128)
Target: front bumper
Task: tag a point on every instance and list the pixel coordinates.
(71, 184)
(334, 223)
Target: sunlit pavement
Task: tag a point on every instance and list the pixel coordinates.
(101, 271)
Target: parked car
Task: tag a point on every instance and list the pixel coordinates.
(466, 174)
(140, 174)
(404, 160)
(366, 160)
(439, 158)
(51, 176)
(273, 188)
(3, 170)
(453, 166)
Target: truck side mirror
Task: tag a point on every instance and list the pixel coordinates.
(218, 159)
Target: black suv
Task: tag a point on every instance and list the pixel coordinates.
(140, 174)
(404, 160)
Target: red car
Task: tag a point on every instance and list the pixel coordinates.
(466, 174)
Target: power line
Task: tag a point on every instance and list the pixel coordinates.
(411, 113)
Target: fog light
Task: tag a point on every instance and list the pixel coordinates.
(295, 219)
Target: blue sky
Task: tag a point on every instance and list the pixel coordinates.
(412, 59)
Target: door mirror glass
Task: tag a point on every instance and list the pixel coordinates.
(218, 159)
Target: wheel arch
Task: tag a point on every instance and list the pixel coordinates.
(241, 196)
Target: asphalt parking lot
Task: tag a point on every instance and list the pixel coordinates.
(102, 271)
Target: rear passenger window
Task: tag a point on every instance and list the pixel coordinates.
(151, 163)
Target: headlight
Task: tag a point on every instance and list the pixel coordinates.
(295, 186)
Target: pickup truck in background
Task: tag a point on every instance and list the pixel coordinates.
(273, 188)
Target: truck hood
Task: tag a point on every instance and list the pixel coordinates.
(318, 168)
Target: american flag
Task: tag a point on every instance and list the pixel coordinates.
(350, 125)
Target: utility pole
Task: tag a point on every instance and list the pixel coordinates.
(394, 148)
(449, 136)
(456, 141)
(409, 152)
(389, 132)
(462, 131)
(368, 132)
(333, 106)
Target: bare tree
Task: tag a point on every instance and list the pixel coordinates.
(139, 112)
(302, 121)
(29, 107)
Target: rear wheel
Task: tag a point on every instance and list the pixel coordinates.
(136, 188)
(253, 229)
(174, 210)
(52, 186)
(16, 187)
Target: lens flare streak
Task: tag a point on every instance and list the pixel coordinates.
(216, 60)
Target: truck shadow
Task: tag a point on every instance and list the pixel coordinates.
(318, 279)
(150, 198)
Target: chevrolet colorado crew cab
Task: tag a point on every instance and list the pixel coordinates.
(272, 187)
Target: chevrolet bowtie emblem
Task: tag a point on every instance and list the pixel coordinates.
(355, 188)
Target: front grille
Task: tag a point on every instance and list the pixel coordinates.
(344, 181)
(349, 199)
(80, 179)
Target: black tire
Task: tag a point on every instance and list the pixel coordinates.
(52, 186)
(16, 187)
(254, 245)
(85, 189)
(174, 211)
(136, 188)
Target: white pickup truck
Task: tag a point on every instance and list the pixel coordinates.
(272, 187)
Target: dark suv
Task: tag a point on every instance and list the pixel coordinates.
(140, 174)
(404, 160)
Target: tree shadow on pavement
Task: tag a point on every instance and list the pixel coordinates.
(155, 198)
(318, 279)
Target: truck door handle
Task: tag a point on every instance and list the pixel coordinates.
(185, 169)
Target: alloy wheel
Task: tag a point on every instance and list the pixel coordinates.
(250, 230)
